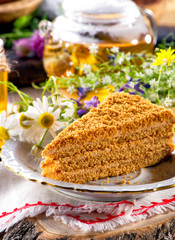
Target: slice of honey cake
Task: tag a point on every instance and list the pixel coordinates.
(123, 134)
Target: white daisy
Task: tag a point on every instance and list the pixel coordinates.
(93, 49)
(169, 72)
(171, 82)
(86, 68)
(57, 99)
(45, 115)
(9, 126)
(145, 65)
(106, 79)
(148, 71)
(121, 59)
(91, 76)
(69, 110)
(139, 74)
(154, 83)
(168, 102)
(33, 134)
(115, 49)
(71, 89)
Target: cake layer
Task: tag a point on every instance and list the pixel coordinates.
(121, 154)
(118, 116)
(158, 130)
(108, 170)
(123, 134)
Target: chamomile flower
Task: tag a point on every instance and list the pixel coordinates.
(32, 134)
(57, 99)
(93, 49)
(45, 115)
(69, 109)
(9, 126)
(168, 102)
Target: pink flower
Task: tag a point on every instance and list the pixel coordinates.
(22, 47)
(37, 44)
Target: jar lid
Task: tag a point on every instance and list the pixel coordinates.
(100, 11)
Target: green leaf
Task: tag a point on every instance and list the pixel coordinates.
(22, 22)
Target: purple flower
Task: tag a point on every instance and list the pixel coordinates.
(82, 92)
(37, 44)
(135, 86)
(79, 104)
(81, 112)
(138, 89)
(23, 48)
(112, 58)
(92, 103)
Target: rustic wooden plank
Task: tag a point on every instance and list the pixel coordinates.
(161, 227)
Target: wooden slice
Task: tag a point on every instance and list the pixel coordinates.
(158, 227)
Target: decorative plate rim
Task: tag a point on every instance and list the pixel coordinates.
(13, 163)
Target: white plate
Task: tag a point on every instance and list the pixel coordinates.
(17, 156)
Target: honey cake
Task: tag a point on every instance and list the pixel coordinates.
(123, 134)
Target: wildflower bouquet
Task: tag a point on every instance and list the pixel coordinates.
(151, 75)
(31, 120)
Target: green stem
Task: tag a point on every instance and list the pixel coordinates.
(41, 140)
(16, 35)
(55, 84)
(160, 74)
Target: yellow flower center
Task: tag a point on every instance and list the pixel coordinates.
(22, 120)
(4, 135)
(46, 120)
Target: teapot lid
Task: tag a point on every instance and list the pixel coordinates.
(100, 11)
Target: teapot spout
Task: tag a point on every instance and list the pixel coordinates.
(45, 29)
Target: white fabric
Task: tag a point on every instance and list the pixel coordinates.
(20, 198)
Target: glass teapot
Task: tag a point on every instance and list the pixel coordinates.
(112, 23)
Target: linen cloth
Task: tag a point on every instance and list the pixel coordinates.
(20, 198)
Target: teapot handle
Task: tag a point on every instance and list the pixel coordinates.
(45, 28)
(149, 14)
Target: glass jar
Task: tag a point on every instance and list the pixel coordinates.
(118, 23)
(4, 69)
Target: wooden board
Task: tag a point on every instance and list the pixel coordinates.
(42, 228)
